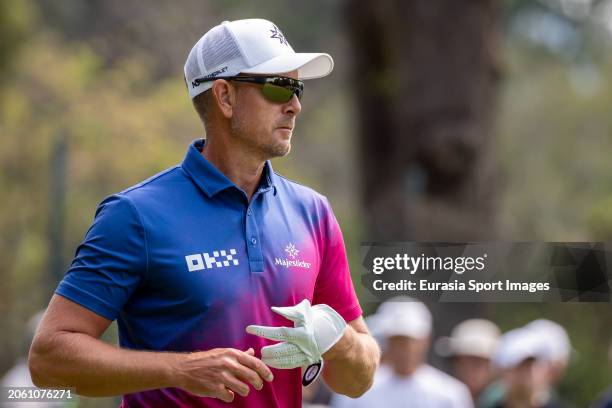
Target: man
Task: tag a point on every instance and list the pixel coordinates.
(471, 347)
(408, 381)
(557, 349)
(524, 370)
(191, 261)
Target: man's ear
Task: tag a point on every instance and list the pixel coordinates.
(224, 95)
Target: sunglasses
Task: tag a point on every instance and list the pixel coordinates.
(277, 89)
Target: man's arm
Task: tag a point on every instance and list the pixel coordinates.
(67, 352)
(351, 363)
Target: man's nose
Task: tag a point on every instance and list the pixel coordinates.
(293, 106)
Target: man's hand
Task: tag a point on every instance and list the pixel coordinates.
(317, 329)
(67, 353)
(220, 373)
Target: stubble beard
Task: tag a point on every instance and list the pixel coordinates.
(270, 150)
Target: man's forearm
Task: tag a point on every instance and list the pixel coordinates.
(350, 365)
(95, 368)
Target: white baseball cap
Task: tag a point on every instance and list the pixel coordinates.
(554, 339)
(517, 346)
(252, 46)
(472, 337)
(404, 316)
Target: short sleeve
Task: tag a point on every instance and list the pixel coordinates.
(334, 286)
(110, 262)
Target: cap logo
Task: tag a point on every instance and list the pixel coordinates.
(276, 33)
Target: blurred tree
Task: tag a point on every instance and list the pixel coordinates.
(159, 31)
(115, 136)
(164, 31)
(600, 220)
(111, 84)
(425, 77)
(426, 81)
(15, 21)
(554, 147)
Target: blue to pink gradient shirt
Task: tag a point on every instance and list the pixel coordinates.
(185, 262)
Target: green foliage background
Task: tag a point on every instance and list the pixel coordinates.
(122, 110)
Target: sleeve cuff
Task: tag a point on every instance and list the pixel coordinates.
(350, 314)
(87, 300)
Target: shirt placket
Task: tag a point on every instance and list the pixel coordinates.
(252, 234)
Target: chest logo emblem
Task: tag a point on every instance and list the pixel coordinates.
(292, 258)
(218, 259)
(292, 251)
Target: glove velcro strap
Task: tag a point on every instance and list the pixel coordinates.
(329, 326)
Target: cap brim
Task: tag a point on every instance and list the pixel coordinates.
(308, 65)
(413, 333)
(471, 350)
(513, 361)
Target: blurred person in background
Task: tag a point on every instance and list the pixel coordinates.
(318, 394)
(471, 348)
(408, 381)
(557, 349)
(376, 324)
(525, 370)
(19, 374)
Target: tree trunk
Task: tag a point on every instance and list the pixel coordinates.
(426, 76)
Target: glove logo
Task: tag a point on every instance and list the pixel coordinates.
(311, 373)
(292, 253)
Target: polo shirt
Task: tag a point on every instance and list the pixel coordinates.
(184, 262)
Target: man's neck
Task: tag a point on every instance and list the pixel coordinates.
(244, 170)
(406, 372)
(519, 400)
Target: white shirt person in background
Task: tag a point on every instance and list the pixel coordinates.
(470, 349)
(405, 379)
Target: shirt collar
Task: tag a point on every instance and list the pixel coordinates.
(210, 179)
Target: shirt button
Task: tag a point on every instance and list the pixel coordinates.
(253, 240)
(249, 212)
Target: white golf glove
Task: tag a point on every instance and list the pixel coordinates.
(317, 329)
